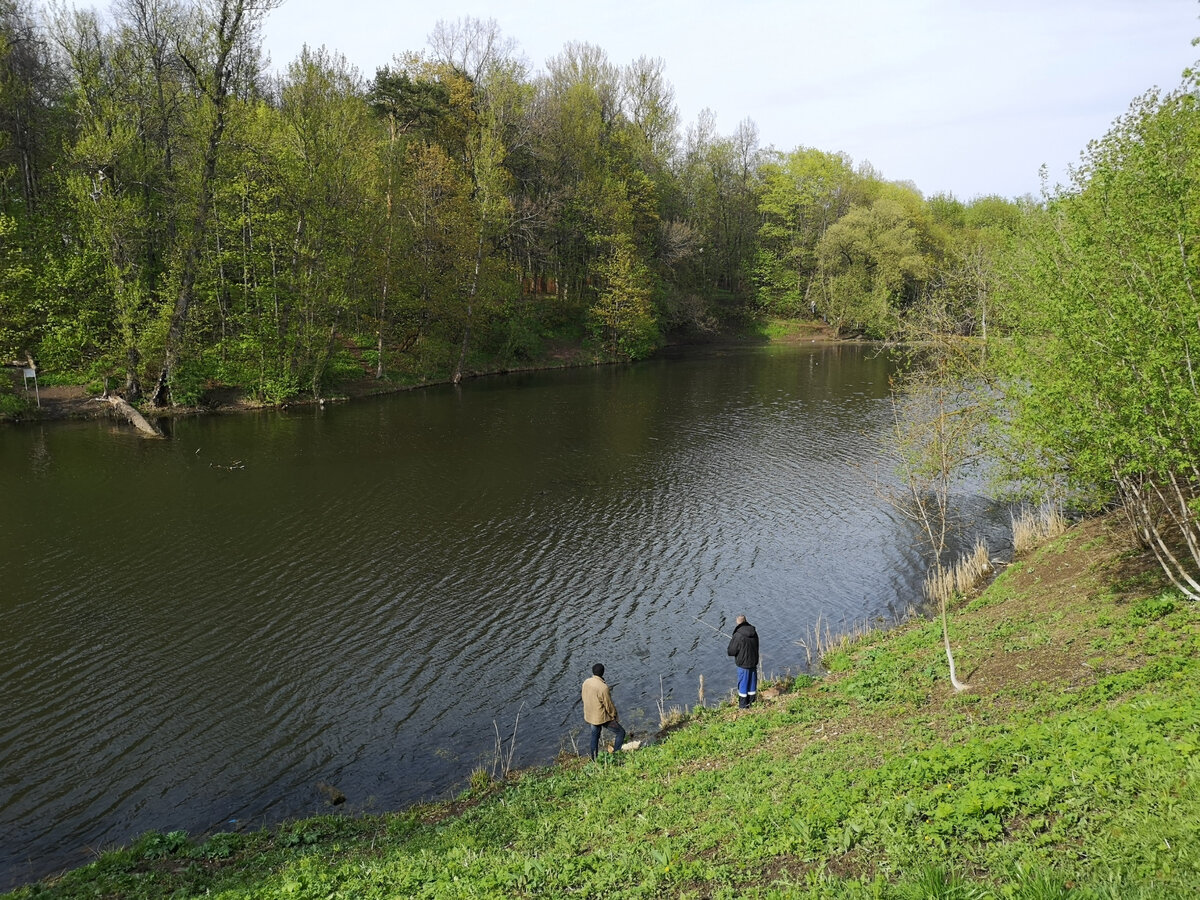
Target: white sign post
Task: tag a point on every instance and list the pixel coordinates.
(32, 373)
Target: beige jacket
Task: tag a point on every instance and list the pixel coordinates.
(598, 705)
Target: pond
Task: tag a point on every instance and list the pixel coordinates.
(200, 633)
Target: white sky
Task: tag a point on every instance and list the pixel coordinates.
(962, 96)
(966, 96)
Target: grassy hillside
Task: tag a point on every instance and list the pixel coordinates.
(1070, 768)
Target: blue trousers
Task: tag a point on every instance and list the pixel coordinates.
(747, 686)
(615, 727)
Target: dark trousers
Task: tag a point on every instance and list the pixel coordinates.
(615, 727)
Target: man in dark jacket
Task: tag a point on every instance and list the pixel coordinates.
(744, 650)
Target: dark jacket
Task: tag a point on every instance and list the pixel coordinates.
(744, 646)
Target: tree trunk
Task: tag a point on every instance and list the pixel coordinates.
(462, 354)
(135, 418)
(228, 27)
(958, 685)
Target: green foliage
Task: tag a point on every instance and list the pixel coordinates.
(16, 404)
(222, 846)
(622, 318)
(1109, 319)
(190, 379)
(803, 194)
(839, 660)
(159, 846)
(1153, 608)
(1102, 393)
(871, 266)
(16, 329)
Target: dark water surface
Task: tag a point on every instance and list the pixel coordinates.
(203, 629)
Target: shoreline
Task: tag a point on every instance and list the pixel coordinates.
(75, 402)
(878, 775)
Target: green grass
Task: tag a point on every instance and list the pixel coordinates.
(783, 329)
(1071, 768)
(16, 405)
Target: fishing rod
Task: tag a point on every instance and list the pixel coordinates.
(714, 628)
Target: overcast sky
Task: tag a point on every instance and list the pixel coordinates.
(962, 96)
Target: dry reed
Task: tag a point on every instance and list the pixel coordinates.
(1033, 526)
(502, 759)
(821, 639)
(672, 715)
(943, 584)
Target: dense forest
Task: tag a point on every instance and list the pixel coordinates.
(173, 216)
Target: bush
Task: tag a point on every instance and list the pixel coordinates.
(16, 406)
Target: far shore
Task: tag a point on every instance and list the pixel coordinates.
(60, 402)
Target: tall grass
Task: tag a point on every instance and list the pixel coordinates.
(942, 585)
(502, 761)
(822, 639)
(673, 715)
(1031, 527)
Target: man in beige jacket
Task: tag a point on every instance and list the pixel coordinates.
(599, 710)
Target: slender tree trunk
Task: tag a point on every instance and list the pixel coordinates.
(958, 685)
(462, 354)
(387, 253)
(228, 27)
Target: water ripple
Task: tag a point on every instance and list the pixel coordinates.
(382, 590)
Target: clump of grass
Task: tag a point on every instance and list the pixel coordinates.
(503, 757)
(942, 585)
(822, 643)
(481, 781)
(1031, 527)
(668, 716)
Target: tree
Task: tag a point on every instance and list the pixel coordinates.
(484, 71)
(31, 125)
(409, 107)
(28, 88)
(328, 176)
(871, 266)
(622, 318)
(1102, 371)
(802, 195)
(227, 29)
(121, 171)
(648, 103)
(15, 274)
(965, 276)
(718, 201)
(936, 425)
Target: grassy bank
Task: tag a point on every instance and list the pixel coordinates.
(1070, 768)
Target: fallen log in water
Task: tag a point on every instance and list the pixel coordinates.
(135, 418)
